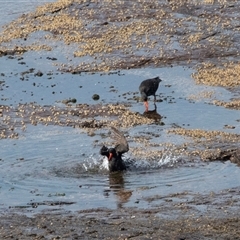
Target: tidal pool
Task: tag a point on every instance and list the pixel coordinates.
(54, 168)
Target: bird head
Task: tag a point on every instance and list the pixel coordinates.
(158, 79)
(104, 151)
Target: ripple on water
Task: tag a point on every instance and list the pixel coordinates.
(58, 168)
(63, 171)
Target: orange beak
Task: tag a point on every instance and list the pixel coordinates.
(110, 156)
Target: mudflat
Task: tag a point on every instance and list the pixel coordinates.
(130, 35)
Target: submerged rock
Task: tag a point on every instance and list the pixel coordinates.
(231, 154)
(38, 74)
(70, 100)
(95, 97)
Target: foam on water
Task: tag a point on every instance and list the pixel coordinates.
(167, 160)
(104, 164)
(93, 163)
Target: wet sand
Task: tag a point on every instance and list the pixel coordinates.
(210, 216)
(115, 41)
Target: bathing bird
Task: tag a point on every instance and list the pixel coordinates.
(148, 88)
(114, 155)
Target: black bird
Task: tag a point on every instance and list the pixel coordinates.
(114, 155)
(147, 88)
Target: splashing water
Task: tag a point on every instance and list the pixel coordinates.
(168, 159)
(104, 165)
(93, 164)
(142, 164)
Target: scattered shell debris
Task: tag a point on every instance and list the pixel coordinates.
(78, 116)
(210, 145)
(225, 76)
(234, 104)
(127, 34)
(133, 35)
(203, 134)
(201, 95)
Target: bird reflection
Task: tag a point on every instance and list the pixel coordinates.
(153, 114)
(116, 183)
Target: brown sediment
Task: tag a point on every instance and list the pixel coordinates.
(207, 145)
(128, 34)
(197, 134)
(234, 104)
(174, 216)
(201, 95)
(77, 116)
(210, 145)
(225, 75)
(213, 75)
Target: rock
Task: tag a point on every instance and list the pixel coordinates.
(52, 58)
(95, 97)
(235, 157)
(71, 100)
(38, 74)
(229, 154)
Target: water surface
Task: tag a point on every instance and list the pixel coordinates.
(59, 168)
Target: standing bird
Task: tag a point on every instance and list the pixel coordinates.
(147, 88)
(114, 155)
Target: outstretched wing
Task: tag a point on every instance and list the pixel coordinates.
(121, 142)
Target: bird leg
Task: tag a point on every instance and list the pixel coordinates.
(146, 106)
(155, 107)
(155, 98)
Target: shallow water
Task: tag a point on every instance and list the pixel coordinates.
(10, 10)
(59, 168)
(53, 168)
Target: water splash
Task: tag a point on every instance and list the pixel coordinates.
(168, 159)
(104, 165)
(93, 164)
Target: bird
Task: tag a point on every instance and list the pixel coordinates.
(114, 155)
(147, 88)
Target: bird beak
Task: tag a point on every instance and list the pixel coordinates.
(110, 156)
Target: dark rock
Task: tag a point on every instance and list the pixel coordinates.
(52, 58)
(95, 97)
(229, 154)
(38, 74)
(71, 100)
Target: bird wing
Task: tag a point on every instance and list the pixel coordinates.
(121, 142)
